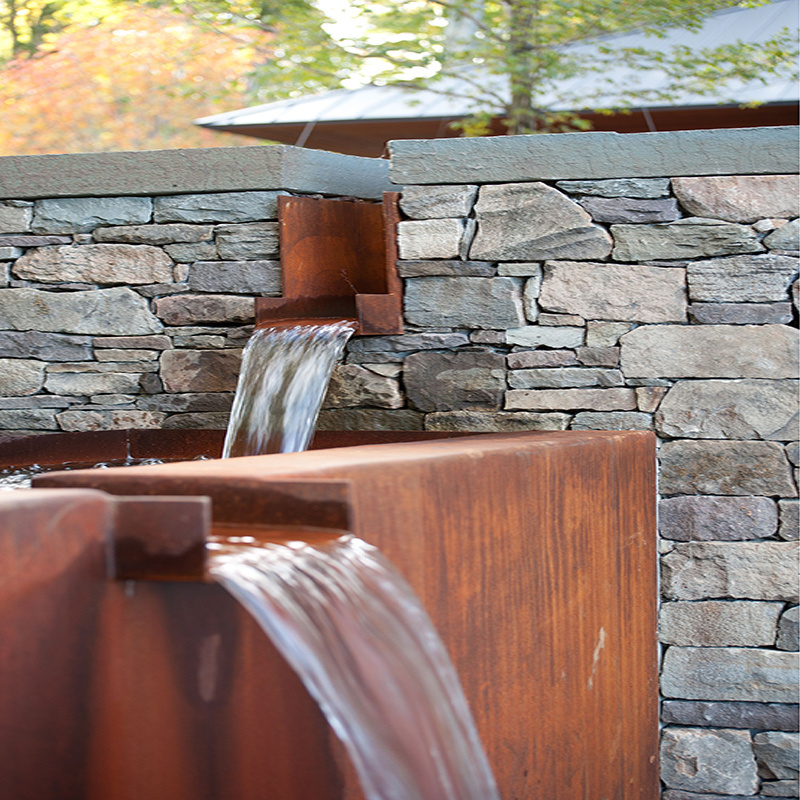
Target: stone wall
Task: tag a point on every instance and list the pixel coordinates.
(577, 281)
(128, 307)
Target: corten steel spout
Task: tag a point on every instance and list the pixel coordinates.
(338, 262)
(534, 555)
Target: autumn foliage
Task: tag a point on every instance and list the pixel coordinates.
(133, 82)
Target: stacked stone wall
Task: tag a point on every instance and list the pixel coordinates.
(661, 297)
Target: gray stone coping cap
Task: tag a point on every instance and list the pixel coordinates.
(192, 171)
(595, 155)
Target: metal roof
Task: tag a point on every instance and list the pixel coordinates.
(392, 103)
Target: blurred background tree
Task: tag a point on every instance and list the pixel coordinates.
(82, 75)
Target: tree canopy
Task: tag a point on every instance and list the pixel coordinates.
(118, 74)
(134, 80)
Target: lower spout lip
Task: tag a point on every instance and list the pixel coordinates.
(160, 538)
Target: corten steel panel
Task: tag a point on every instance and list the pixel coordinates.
(126, 690)
(535, 556)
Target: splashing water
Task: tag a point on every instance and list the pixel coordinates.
(285, 373)
(365, 649)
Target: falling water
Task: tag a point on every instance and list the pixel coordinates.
(364, 647)
(285, 373)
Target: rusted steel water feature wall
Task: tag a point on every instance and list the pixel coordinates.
(533, 553)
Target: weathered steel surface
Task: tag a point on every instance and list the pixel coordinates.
(337, 262)
(160, 538)
(87, 449)
(124, 690)
(534, 555)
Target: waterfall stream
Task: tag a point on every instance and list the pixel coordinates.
(342, 617)
(365, 649)
(285, 372)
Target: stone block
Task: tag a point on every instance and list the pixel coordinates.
(463, 269)
(532, 359)
(20, 377)
(84, 214)
(189, 402)
(162, 289)
(786, 238)
(726, 468)
(729, 673)
(217, 207)
(433, 202)
(494, 303)
(404, 343)
(86, 367)
(763, 716)
(495, 421)
(570, 400)
(558, 319)
(778, 752)
(369, 419)
(430, 238)
(612, 421)
(599, 154)
(648, 398)
(533, 221)
(614, 292)
(200, 370)
(719, 623)
(95, 263)
(126, 355)
(205, 420)
(631, 210)
(739, 198)
(487, 337)
(788, 634)
(780, 789)
(538, 336)
(10, 252)
(737, 570)
(693, 237)
(564, 377)
(351, 385)
(710, 351)
(741, 313)
(156, 235)
(598, 356)
(187, 252)
(530, 300)
(130, 342)
(456, 380)
(15, 216)
(618, 187)
(722, 409)
(248, 241)
(605, 334)
(39, 401)
(790, 525)
(117, 311)
(742, 279)
(28, 419)
(521, 269)
(193, 309)
(703, 760)
(80, 383)
(108, 420)
(237, 277)
(113, 400)
(700, 519)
